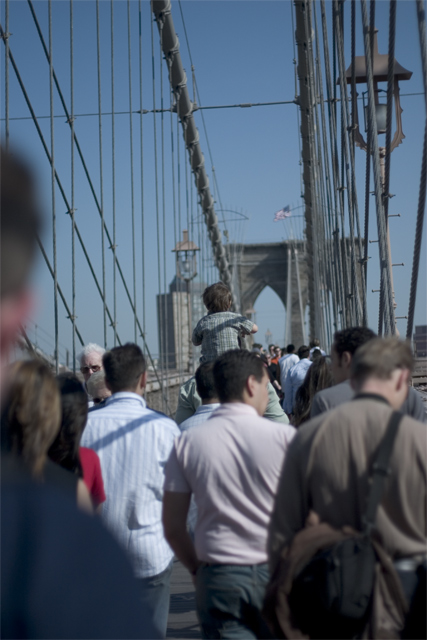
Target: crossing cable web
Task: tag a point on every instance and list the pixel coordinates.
(57, 184)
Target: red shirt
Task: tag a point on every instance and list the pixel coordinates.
(92, 475)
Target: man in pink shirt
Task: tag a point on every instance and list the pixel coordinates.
(231, 464)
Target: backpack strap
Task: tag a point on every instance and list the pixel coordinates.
(381, 470)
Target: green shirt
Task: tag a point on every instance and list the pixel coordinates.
(189, 400)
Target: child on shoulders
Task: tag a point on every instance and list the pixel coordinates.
(220, 329)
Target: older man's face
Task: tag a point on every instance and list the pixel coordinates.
(90, 364)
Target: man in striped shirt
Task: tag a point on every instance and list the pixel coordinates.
(133, 444)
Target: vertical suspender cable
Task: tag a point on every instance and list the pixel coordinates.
(162, 328)
(386, 183)
(330, 90)
(113, 245)
(73, 208)
(6, 75)
(177, 320)
(165, 288)
(423, 181)
(101, 176)
(390, 327)
(141, 131)
(349, 165)
(132, 190)
(52, 155)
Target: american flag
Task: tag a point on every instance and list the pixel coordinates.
(282, 214)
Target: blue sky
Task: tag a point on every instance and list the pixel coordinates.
(242, 52)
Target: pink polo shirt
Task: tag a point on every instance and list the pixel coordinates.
(231, 463)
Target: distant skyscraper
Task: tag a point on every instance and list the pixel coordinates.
(173, 320)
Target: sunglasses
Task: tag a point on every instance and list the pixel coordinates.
(94, 369)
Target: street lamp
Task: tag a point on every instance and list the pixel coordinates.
(380, 74)
(186, 267)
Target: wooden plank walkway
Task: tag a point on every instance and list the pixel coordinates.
(182, 621)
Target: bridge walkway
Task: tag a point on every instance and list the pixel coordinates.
(182, 621)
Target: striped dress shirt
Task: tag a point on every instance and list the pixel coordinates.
(133, 444)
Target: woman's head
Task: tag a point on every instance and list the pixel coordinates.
(65, 449)
(318, 377)
(33, 413)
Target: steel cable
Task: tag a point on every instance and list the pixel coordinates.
(141, 140)
(52, 165)
(113, 245)
(101, 172)
(390, 327)
(132, 188)
(165, 288)
(6, 75)
(423, 180)
(73, 230)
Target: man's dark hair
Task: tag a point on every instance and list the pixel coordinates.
(290, 348)
(303, 352)
(217, 297)
(123, 367)
(20, 223)
(205, 383)
(351, 339)
(232, 369)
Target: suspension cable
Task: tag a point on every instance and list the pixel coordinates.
(113, 245)
(165, 288)
(132, 189)
(390, 325)
(73, 203)
(423, 181)
(52, 165)
(6, 74)
(101, 172)
(141, 139)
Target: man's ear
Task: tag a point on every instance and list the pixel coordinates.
(346, 359)
(142, 382)
(402, 379)
(249, 385)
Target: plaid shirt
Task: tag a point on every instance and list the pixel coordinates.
(219, 332)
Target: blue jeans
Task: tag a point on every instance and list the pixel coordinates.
(155, 594)
(229, 600)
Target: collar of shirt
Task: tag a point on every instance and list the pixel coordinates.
(371, 396)
(235, 407)
(207, 408)
(125, 396)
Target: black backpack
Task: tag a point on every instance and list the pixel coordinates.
(331, 595)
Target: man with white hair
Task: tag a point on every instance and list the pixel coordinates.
(91, 359)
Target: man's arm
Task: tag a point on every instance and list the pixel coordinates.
(274, 411)
(175, 511)
(197, 337)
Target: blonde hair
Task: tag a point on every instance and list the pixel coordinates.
(33, 413)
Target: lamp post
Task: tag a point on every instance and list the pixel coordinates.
(380, 74)
(186, 267)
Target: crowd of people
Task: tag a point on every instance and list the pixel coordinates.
(100, 492)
